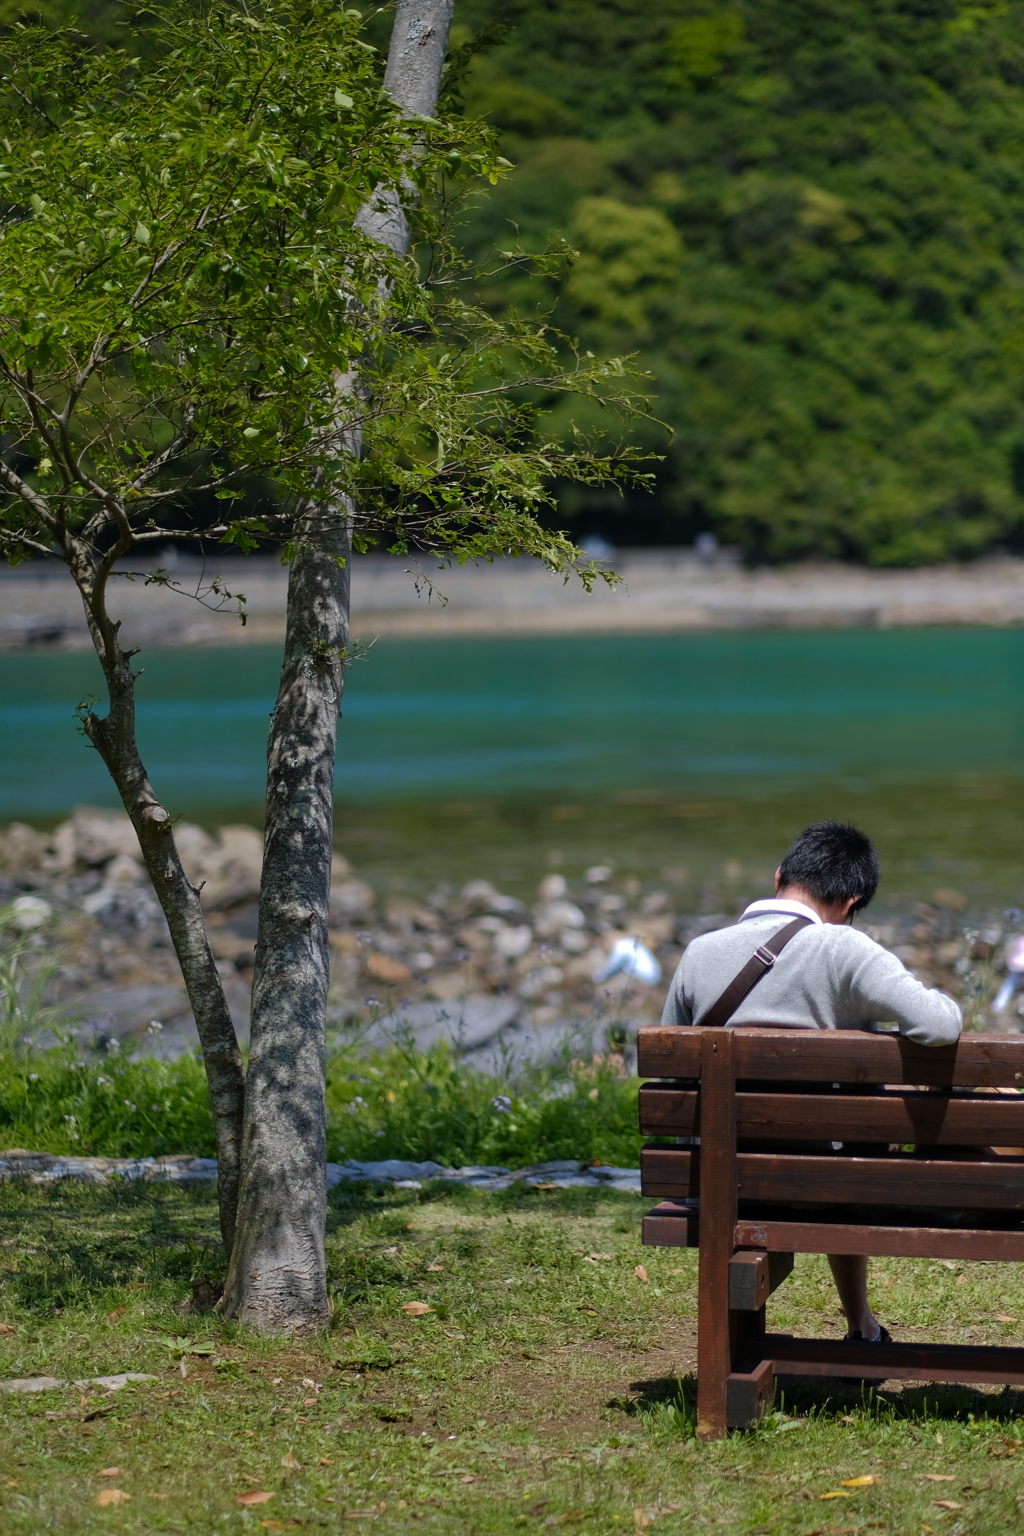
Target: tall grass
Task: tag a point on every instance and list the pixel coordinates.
(399, 1102)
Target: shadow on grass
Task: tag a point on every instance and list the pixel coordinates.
(670, 1403)
(348, 1202)
(69, 1244)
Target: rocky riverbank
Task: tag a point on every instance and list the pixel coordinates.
(490, 971)
(662, 591)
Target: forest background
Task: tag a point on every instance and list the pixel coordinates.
(806, 220)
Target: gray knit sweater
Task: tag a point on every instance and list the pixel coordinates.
(827, 977)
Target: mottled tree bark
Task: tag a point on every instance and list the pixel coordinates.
(277, 1279)
(113, 736)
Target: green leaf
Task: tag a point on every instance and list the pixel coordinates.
(142, 234)
(341, 100)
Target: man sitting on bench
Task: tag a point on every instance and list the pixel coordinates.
(816, 972)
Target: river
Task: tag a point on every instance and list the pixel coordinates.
(690, 759)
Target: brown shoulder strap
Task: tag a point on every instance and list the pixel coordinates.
(762, 960)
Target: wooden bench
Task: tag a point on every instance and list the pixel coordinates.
(957, 1194)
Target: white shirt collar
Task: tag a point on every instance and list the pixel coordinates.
(787, 908)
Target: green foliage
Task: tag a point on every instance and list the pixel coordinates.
(836, 332)
(423, 1105)
(27, 971)
(68, 1101)
(188, 300)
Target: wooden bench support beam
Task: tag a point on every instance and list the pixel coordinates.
(913, 1362)
(754, 1276)
(718, 1223)
(963, 1243)
(671, 1224)
(749, 1394)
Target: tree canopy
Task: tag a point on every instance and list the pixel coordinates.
(186, 296)
(806, 218)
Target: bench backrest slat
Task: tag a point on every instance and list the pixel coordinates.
(840, 1056)
(920, 1118)
(674, 1173)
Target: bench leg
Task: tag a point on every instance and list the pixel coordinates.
(717, 1231)
(749, 1394)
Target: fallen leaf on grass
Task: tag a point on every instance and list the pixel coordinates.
(1001, 1318)
(417, 1308)
(947, 1504)
(570, 1517)
(254, 1496)
(937, 1477)
(279, 1525)
(859, 1482)
(640, 1273)
(6, 1327)
(112, 1496)
(435, 1269)
(116, 1315)
(835, 1493)
(326, 1461)
(111, 1472)
(292, 1463)
(360, 1514)
(961, 1279)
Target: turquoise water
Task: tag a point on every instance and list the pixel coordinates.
(538, 749)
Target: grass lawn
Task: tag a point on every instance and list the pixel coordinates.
(549, 1386)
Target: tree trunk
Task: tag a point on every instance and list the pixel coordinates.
(277, 1280)
(114, 739)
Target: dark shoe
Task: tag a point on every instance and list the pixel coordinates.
(856, 1337)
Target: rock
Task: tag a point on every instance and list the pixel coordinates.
(556, 915)
(22, 849)
(469, 1023)
(560, 1165)
(352, 901)
(29, 913)
(98, 836)
(233, 867)
(385, 968)
(482, 895)
(51, 1383)
(45, 1167)
(32, 1384)
(510, 943)
(227, 945)
(388, 1170)
(552, 888)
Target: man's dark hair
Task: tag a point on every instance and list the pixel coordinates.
(833, 862)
